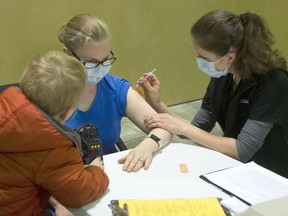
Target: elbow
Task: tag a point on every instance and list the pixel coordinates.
(89, 190)
(236, 156)
(85, 197)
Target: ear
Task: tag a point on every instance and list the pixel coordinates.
(66, 50)
(232, 54)
(65, 114)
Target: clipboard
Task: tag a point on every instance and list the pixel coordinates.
(167, 207)
(203, 177)
(250, 183)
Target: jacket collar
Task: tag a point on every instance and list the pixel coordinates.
(66, 131)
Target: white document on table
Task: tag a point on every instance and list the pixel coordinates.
(250, 182)
(234, 205)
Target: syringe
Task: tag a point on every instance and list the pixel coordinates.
(137, 86)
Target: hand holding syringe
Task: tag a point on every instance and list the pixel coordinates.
(137, 86)
(148, 74)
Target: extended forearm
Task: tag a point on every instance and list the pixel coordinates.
(224, 145)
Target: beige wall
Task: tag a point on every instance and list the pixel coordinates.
(145, 34)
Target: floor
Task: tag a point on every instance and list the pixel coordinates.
(132, 135)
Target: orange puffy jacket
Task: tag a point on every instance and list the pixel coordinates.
(39, 158)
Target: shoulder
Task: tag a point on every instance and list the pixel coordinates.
(278, 76)
(114, 82)
(273, 87)
(115, 88)
(270, 97)
(275, 81)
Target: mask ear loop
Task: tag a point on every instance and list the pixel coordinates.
(228, 66)
(220, 60)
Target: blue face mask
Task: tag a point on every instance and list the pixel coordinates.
(95, 75)
(209, 67)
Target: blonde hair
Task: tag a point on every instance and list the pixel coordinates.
(54, 81)
(82, 28)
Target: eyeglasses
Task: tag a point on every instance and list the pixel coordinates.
(89, 65)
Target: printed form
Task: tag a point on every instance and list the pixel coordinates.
(250, 182)
(172, 207)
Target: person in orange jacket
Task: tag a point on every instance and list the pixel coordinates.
(39, 156)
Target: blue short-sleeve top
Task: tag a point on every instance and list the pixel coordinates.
(106, 111)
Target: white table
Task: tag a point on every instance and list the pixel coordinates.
(163, 179)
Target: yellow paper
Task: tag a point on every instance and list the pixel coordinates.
(174, 207)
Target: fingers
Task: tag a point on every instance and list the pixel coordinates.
(153, 120)
(122, 160)
(133, 165)
(145, 83)
(133, 162)
(147, 163)
(143, 77)
(141, 163)
(148, 78)
(152, 80)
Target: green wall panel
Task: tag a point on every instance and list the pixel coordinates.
(145, 34)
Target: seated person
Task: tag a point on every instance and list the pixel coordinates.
(247, 94)
(39, 157)
(108, 98)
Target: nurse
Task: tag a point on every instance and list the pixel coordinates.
(247, 94)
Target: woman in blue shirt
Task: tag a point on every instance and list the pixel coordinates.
(107, 98)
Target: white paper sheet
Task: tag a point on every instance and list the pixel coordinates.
(250, 182)
(234, 205)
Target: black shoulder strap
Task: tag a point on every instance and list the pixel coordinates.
(3, 87)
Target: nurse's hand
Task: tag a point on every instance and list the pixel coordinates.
(140, 156)
(151, 87)
(167, 122)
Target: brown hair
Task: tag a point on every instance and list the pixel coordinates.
(220, 30)
(54, 82)
(82, 28)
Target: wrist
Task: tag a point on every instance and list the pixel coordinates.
(188, 129)
(158, 106)
(155, 138)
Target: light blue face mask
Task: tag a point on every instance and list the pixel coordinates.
(95, 75)
(209, 67)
